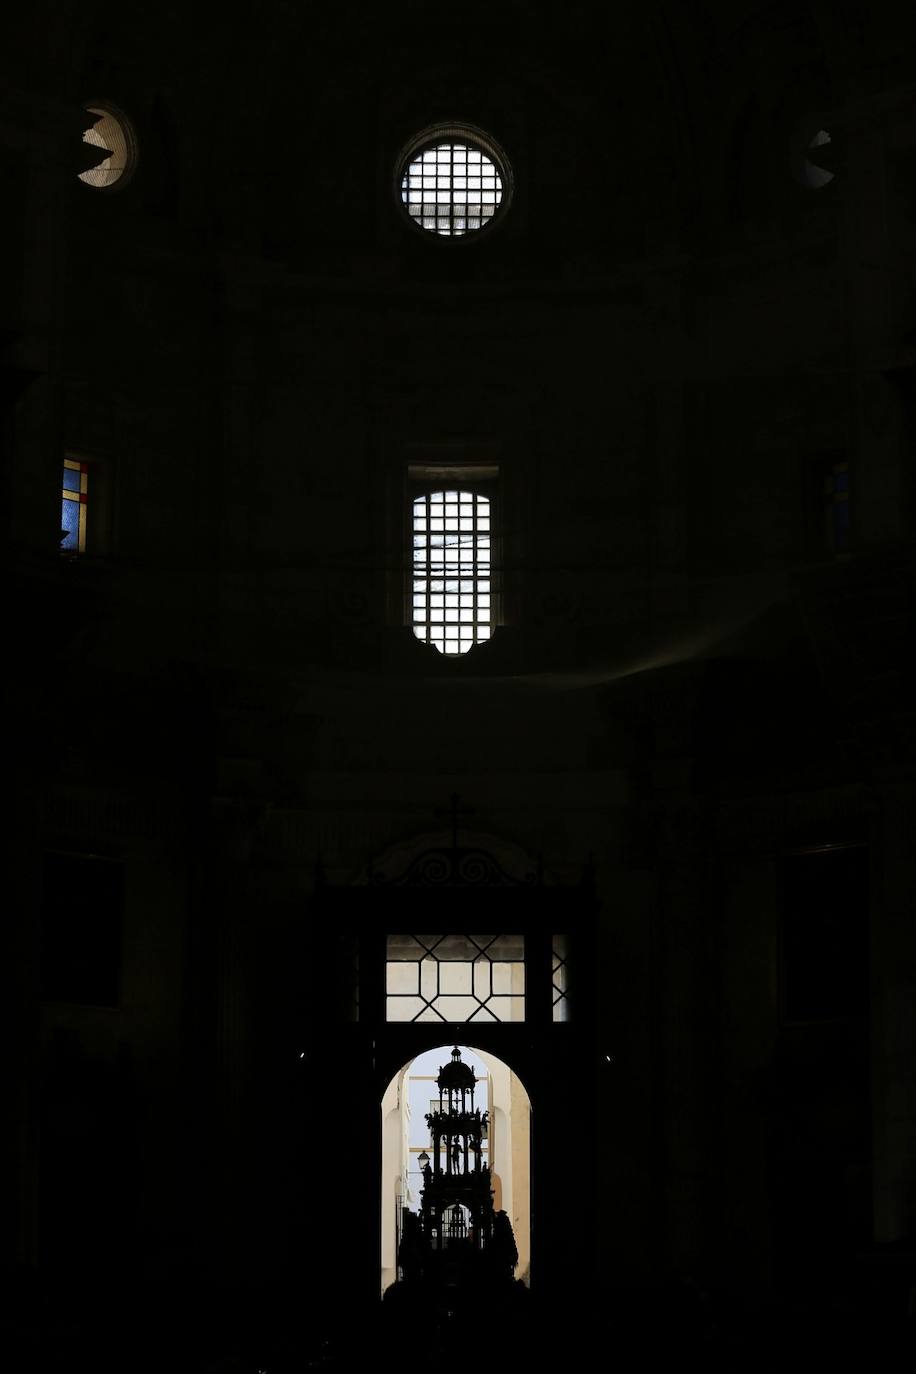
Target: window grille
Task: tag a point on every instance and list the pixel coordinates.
(451, 188)
(455, 978)
(452, 587)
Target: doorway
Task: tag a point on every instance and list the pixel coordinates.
(409, 1096)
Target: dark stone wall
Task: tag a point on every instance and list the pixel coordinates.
(664, 347)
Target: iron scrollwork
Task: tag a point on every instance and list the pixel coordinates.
(454, 867)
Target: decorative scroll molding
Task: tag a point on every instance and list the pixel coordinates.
(454, 867)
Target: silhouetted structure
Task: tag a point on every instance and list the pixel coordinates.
(458, 1255)
(457, 1217)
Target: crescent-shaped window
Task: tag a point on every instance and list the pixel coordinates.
(112, 132)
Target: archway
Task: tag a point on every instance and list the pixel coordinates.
(405, 1135)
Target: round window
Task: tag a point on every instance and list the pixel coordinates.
(453, 180)
(112, 132)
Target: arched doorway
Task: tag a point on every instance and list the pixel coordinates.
(408, 1097)
(542, 1037)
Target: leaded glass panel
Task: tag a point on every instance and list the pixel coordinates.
(455, 978)
(74, 506)
(560, 979)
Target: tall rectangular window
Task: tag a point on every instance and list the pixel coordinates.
(452, 589)
(560, 978)
(74, 515)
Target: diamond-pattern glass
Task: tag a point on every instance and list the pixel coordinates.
(455, 978)
(560, 979)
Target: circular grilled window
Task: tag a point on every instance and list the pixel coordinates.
(111, 132)
(454, 180)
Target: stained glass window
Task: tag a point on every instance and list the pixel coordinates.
(452, 588)
(74, 506)
(455, 978)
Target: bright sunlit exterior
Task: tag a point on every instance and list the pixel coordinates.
(406, 1138)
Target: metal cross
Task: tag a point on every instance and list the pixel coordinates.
(453, 812)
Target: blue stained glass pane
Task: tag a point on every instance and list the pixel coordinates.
(70, 521)
(71, 480)
(841, 481)
(842, 515)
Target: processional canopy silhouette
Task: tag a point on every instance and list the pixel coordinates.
(452, 1239)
